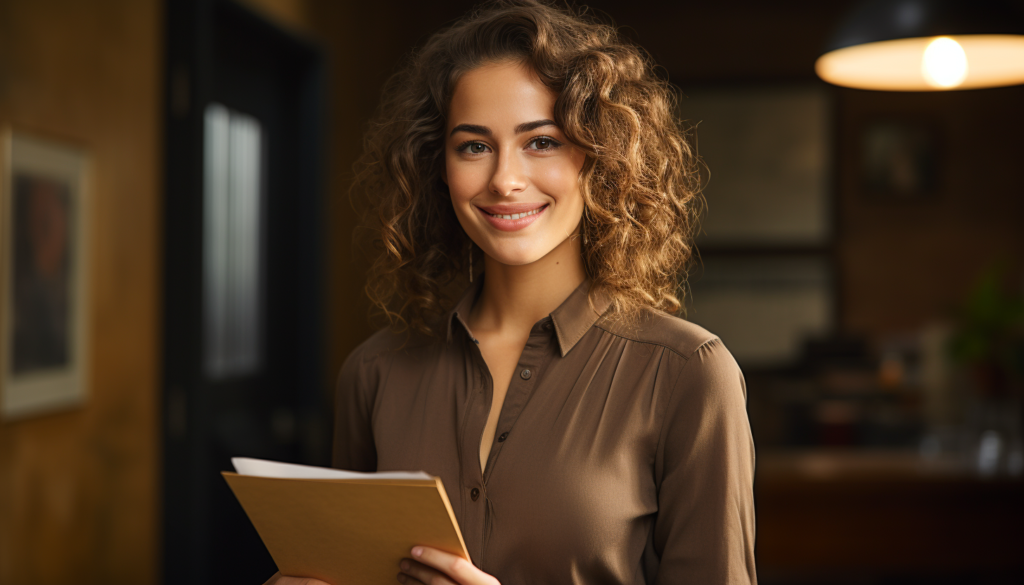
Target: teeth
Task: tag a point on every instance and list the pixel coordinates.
(517, 215)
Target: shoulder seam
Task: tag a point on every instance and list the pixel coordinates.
(674, 395)
(654, 343)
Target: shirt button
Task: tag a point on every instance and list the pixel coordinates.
(474, 494)
(502, 438)
(525, 374)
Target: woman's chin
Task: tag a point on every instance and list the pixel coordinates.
(517, 257)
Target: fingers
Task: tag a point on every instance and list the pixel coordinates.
(414, 573)
(455, 568)
(407, 580)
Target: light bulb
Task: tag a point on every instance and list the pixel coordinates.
(944, 63)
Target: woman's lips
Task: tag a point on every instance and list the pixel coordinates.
(511, 217)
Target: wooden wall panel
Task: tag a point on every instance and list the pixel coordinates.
(78, 490)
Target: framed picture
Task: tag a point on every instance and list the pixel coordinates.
(43, 277)
(768, 156)
(899, 160)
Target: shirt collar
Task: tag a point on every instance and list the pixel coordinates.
(461, 311)
(572, 319)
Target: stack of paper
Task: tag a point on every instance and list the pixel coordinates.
(343, 527)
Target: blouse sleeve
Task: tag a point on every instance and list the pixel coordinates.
(704, 532)
(354, 447)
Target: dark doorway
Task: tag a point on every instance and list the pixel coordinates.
(242, 276)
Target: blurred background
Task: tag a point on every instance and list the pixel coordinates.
(862, 256)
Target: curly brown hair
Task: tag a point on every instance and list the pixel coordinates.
(639, 182)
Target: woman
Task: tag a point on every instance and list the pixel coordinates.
(583, 434)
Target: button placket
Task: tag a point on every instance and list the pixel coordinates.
(474, 514)
(520, 390)
(536, 354)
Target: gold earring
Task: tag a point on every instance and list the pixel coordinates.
(583, 225)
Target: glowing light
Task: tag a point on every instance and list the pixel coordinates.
(944, 63)
(906, 64)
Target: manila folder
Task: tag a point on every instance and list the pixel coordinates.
(347, 532)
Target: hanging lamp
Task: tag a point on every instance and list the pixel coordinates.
(926, 45)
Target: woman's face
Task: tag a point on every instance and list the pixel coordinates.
(512, 174)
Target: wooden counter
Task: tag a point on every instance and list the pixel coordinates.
(830, 516)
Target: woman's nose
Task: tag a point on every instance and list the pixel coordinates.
(509, 176)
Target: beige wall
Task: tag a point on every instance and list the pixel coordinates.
(78, 490)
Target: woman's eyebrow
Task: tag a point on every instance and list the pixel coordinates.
(528, 126)
(485, 131)
(472, 129)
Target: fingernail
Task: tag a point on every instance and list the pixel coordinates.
(404, 565)
(417, 551)
(402, 578)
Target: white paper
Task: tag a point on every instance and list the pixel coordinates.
(264, 468)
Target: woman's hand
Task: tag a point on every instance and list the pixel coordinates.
(430, 566)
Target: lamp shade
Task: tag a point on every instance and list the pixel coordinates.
(926, 45)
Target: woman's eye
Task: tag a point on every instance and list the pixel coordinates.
(544, 143)
(473, 147)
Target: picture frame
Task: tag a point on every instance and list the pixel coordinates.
(44, 209)
(899, 160)
(767, 154)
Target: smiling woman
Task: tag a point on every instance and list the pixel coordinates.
(603, 103)
(511, 172)
(582, 433)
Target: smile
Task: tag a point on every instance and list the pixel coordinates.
(512, 217)
(515, 215)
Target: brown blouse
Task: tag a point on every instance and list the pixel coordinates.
(622, 454)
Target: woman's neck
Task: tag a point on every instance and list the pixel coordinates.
(516, 297)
